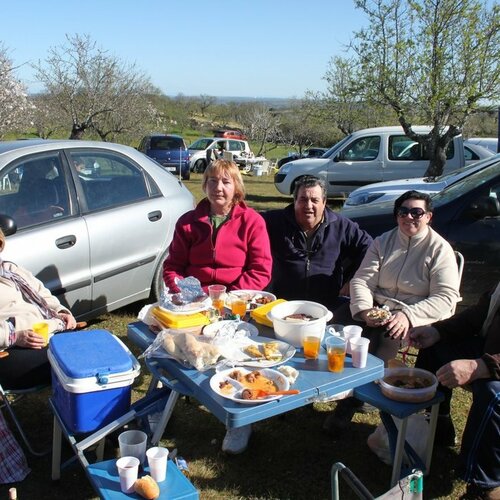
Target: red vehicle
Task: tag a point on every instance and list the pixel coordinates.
(230, 134)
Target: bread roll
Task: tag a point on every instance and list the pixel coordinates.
(147, 487)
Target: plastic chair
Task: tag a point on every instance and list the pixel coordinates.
(17, 394)
(409, 487)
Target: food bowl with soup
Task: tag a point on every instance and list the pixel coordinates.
(409, 385)
(296, 319)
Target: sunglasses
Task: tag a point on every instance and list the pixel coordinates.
(415, 213)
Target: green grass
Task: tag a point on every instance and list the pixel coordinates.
(289, 457)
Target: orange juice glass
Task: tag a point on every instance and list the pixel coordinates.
(217, 294)
(335, 350)
(311, 345)
(238, 306)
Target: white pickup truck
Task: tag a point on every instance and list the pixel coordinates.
(367, 156)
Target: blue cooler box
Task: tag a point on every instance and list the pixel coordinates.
(92, 375)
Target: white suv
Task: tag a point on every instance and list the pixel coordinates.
(198, 150)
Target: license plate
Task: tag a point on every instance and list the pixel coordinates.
(171, 169)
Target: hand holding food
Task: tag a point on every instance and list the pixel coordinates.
(378, 316)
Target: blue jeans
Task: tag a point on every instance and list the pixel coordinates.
(479, 459)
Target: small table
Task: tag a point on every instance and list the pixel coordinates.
(371, 393)
(105, 480)
(315, 383)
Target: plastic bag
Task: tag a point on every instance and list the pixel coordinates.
(189, 350)
(417, 431)
(190, 298)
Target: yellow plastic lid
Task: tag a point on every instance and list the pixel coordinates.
(172, 320)
(259, 314)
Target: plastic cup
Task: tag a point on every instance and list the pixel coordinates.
(157, 460)
(351, 332)
(335, 350)
(128, 470)
(359, 351)
(42, 329)
(335, 329)
(133, 444)
(238, 305)
(311, 344)
(217, 294)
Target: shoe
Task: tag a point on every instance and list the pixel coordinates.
(474, 492)
(445, 432)
(236, 440)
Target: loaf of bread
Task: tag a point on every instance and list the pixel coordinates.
(147, 487)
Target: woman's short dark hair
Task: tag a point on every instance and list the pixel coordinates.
(309, 181)
(413, 195)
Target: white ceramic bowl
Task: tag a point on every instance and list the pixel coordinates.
(292, 331)
(407, 395)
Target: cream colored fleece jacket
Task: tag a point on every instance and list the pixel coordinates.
(12, 304)
(417, 275)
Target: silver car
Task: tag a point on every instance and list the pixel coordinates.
(92, 220)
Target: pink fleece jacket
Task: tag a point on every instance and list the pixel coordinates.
(240, 258)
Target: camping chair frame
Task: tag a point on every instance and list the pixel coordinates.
(5, 403)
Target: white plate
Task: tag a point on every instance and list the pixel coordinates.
(280, 381)
(236, 352)
(192, 308)
(250, 296)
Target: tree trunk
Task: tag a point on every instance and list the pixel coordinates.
(77, 131)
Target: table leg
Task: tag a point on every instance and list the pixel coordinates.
(56, 450)
(430, 438)
(165, 417)
(398, 455)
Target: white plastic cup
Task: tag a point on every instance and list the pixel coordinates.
(133, 444)
(128, 470)
(157, 460)
(359, 351)
(351, 332)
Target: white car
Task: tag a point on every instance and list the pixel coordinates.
(198, 150)
(390, 190)
(92, 220)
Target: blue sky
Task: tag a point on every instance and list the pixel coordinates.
(254, 48)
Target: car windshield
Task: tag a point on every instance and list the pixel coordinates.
(201, 144)
(466, 184)
(167, 143)
(333, 150)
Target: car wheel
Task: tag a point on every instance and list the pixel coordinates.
(199, 166)
(158, 285)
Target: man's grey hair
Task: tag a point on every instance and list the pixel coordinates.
(309, 181)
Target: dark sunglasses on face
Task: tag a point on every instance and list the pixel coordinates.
(415, 213)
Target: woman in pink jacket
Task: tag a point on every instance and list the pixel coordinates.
(222, 241)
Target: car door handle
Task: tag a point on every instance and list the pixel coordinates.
(66, 241)
(154, 216)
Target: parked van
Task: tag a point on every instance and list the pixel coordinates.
(198, 150)
(367, 156)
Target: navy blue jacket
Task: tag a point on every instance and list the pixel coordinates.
(316, 269)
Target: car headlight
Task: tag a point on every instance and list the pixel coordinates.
(286, 168)
(362, 198)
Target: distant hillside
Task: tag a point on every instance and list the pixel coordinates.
(273, 102)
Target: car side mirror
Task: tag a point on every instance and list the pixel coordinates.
(487, 206)
(8, 224)
(339, 157)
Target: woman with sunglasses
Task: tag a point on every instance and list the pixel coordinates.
(412, 271)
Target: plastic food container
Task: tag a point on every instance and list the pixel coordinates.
(293, 331)
(92, 375)
(408, 395)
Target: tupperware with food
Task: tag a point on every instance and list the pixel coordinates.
(291, 329)
(92, 375)
(409, 385)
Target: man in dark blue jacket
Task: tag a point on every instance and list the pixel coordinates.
(316, 251)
